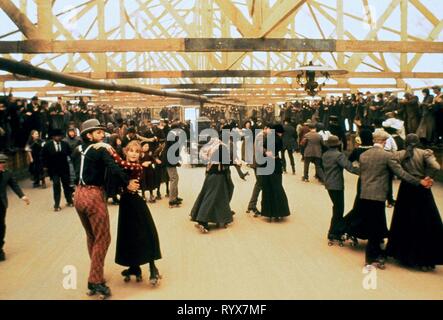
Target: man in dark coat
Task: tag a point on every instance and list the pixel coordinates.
(411, 111)
(289, 144)
(55, 155)
(56, 119)
(7, 178)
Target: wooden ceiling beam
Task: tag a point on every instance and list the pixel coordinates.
(235, 74)
(219, 45)
(20, 19)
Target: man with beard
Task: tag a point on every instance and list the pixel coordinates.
(89, 199)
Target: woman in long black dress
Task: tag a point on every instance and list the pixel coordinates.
(274, 203)
(137, 238)
(416, 233)
(353, 224)
(212, 204)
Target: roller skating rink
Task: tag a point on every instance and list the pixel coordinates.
(250, 259)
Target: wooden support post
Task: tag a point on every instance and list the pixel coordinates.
(45, 16)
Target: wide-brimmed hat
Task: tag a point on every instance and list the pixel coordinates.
(333, 141)
(90, 125)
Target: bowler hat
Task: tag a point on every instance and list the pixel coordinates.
(90, 125)
(3, 158)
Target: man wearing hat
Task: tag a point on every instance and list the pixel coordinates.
(90, 201)
(376, 165)
(334, 162)
(7, 178)
(313, 142)
(55, 159)
(131, 134)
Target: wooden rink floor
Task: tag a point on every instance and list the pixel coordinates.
(252, 259)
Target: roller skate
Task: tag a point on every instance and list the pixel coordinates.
(332, 239)
(202, 228)
(152, 199)
(101, 289)
(427, 268)
(354, 240)
(137, 272)
(222, 225)
(255, 211)
(155, 276)
(378, 264)
(174, 204)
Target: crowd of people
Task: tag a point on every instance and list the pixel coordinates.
(95, 153)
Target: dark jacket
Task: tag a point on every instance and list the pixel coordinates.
(289, 137)
(334, 162)
(56, 162)
(7, 178)
(95, 164)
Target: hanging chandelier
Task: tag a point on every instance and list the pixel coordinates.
(307, 77)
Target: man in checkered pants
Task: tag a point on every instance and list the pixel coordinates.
(90, 200)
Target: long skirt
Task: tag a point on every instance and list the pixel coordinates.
(212, 204)
(416, 234)
(137, 238)
(148, 179)
(353, 223)
(274, 203)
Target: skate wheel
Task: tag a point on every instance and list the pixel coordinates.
(139, 279)
(202, 229)
(341, 244)
(154, 282)
(330, 243)
(126, 279)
